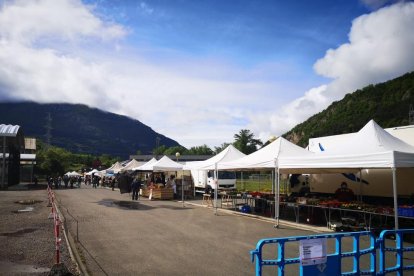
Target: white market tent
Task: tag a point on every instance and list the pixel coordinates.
(146, 166)
(371, 147)
(267, 157)
(72, 174)
(130, 165)
(115, 168)
(92, 172)
(165, 164)
(228, 154)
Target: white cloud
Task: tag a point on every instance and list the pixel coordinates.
(380, 48)
(187, 101)
(145, 8)
(194, 101)
(27, 21)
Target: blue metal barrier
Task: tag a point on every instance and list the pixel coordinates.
(333, 265)
(399, 251)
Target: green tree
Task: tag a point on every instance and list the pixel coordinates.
(159, 150)
(174, 150)
(245, 141)
(107, 160)
(200, 150)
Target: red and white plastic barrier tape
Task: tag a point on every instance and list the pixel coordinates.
(56, 222)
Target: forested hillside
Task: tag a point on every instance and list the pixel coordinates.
(81, 129)
(387, 103)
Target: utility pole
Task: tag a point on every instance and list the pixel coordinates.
(48, 127)
(157, 144)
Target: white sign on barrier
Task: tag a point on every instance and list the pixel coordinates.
(312, 252)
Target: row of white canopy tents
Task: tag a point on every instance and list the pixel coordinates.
(72, 174)
(372, 147)
(165, 164)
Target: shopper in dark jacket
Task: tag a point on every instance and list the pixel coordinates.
(135, 186)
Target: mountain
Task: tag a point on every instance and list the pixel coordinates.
(81, 129)
(387, 103)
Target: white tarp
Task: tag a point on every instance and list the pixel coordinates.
(266, 157)
(146, 166)
(130, 165)
(371, 147)
(72, 174)
(164, 164)
(115, 168)
(92, 172)
(326, 143)
(228, 154)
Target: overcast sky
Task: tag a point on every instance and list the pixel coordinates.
(199, 71)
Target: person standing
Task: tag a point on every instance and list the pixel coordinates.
(94, 181)
(344, 194)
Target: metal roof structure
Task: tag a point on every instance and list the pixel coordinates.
(13, 134)
(9, 130)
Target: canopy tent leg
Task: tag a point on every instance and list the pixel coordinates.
(273, 181)
(215, 190)
(394, 190)
(360, 185)
(277, 196)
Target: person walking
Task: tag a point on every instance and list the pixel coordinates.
(135, 186)
(66, 180)
(59, 182)
(113, 183)
(94, 181)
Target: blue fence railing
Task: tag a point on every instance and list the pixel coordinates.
(313, 258)
(397, 251)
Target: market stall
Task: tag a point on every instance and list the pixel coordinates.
(268, 158)
(230, 153)
(165, 164)
(158, 192)
(371, 147)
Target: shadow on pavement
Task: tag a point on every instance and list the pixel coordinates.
(123, 204)
(137, 205)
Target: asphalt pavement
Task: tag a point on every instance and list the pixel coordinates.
(118, 236)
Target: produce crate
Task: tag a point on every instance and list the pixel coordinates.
(406, 211)
(162, 193)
